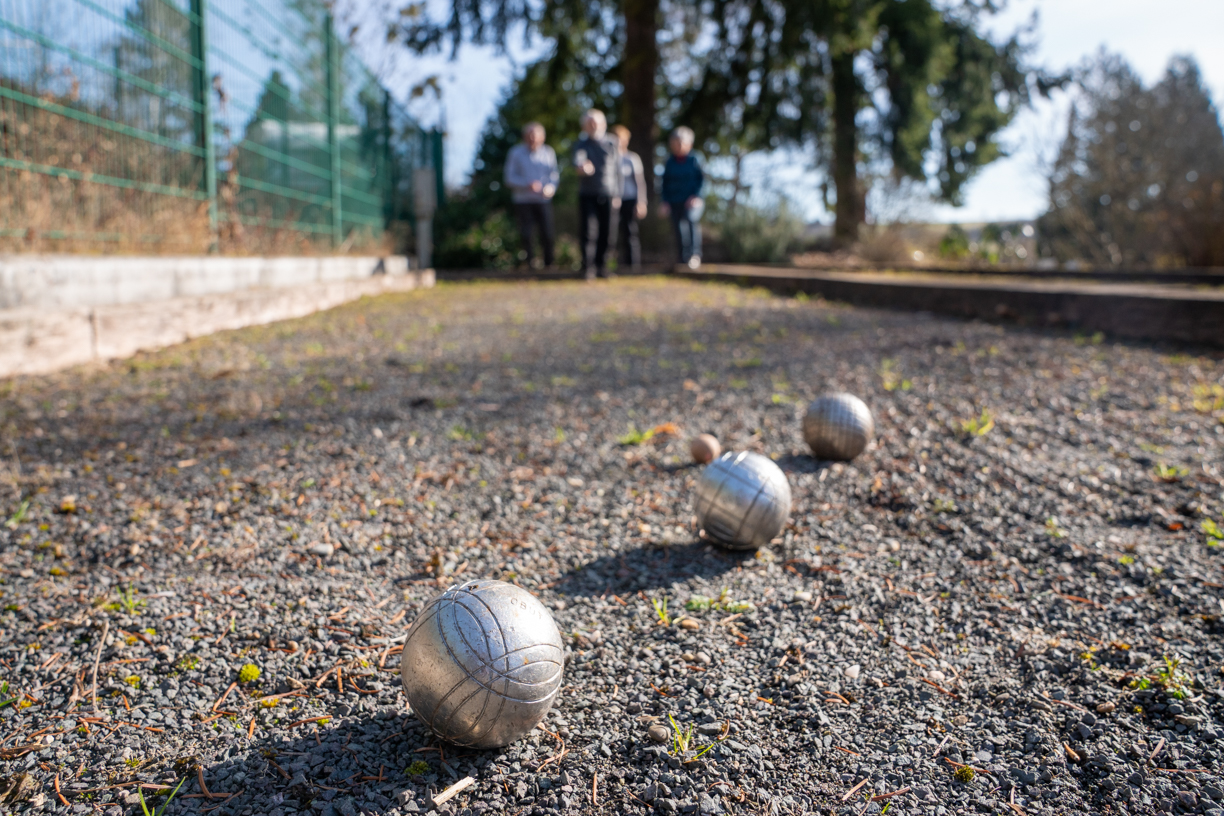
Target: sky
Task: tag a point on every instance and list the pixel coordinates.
(1146, 32)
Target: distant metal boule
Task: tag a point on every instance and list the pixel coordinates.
(742, 500)
(838, 427)
(482, 664)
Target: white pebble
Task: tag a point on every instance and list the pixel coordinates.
(320, 549)
(852, 672)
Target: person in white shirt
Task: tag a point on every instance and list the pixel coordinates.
(633, 202)
(532, 175)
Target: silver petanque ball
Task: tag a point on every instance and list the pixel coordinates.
(482, 664)
(838, 427)
(742, 500)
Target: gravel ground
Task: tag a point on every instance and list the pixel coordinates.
(1037, 601)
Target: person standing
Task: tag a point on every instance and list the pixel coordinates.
(531, 174)
(633, 202)
(682, 182)
(597, 160)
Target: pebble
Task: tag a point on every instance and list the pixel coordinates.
(321, 549)
(1105, 708)
(803, 596)
(659, 733)
(852, 672)
(705, 449)
(689, 624)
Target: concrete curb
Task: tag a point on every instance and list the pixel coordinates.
(1130, 311)
(57, 327)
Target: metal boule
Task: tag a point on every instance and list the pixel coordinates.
(482, 664)
(742, 500)
(838, 427)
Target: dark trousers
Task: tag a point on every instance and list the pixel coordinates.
(629, 246)
(597, 209)
(538, 216)
(688, 232)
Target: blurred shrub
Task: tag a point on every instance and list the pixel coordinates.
(883, 244)
(761, 234)
(955, 244)
(489, 244)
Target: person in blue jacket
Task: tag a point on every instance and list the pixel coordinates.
(681, 195)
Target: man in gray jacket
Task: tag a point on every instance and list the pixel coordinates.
(531, 174)
(598, 162)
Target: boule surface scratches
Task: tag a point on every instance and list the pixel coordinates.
(482, 664)
(742, 500)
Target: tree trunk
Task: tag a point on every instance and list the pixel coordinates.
(641, 64)
(851, 208)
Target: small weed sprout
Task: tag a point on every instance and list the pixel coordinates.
(248, 673)
(683, 738)
(944, 506)
(1214, 533)
(418, 768)
(891, 378)
(981, 426)
(964, 774)
(127, 602)
(1053, 530)
(1172, 679)
(635, 437)
(700, 603)
(159, 811)
(18, 515)
(660, 608)
(683, 741)
(4, 687)
(1170, 473)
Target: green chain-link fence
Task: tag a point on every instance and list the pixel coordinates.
(245, 126)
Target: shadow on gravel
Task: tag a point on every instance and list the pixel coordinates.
(649, 567)
(350, 765)
(801, 463)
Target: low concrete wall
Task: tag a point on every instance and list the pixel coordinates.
(58, 311)
(1133, 311)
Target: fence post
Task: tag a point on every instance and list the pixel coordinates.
(438, 165)
(333, 120)
(200, 93)
(388, 158)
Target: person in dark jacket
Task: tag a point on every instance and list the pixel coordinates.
(681, 195)
(597, 160)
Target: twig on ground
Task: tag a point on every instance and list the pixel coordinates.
(890, 795)
(453, 791)
(853, 790)
(97, 657)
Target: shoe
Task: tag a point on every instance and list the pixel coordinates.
(590, 274)
(694, 262)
